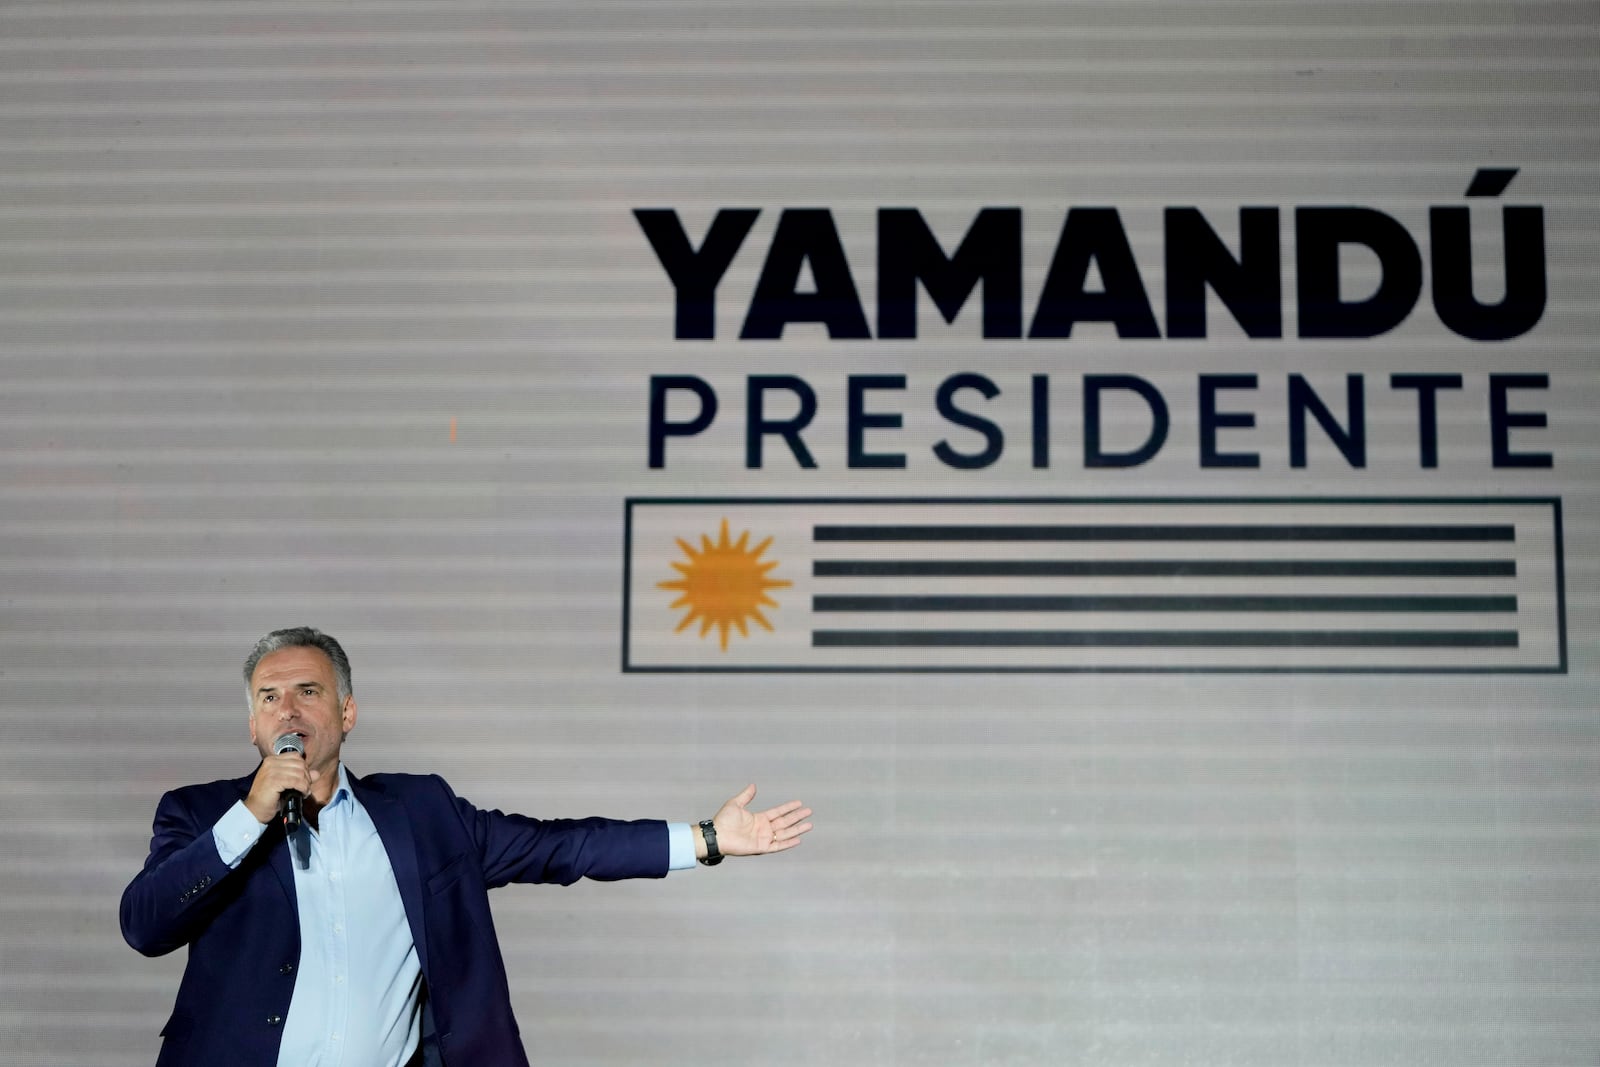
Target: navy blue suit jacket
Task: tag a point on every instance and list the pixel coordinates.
(242, 924)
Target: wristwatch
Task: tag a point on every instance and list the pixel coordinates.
(713, 857)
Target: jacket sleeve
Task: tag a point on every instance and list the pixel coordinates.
(181, 887)
(519, 848)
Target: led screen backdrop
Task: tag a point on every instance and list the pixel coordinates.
(1130, 467)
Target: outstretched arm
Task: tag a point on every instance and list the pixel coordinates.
(742, 832)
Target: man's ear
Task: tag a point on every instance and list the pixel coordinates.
(349, 714)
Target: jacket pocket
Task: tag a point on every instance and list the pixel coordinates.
(448, 875)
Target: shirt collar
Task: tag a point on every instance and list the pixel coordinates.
(342, 792)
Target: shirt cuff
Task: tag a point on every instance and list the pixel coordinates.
(680, 846)
(238, 831)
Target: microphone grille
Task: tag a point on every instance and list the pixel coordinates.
(288, 743)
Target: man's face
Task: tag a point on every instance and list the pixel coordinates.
(294, 690)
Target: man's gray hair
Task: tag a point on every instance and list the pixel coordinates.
(300, 637)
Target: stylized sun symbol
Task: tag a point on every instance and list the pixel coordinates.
(724, 584)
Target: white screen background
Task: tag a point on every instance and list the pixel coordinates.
(338, 315)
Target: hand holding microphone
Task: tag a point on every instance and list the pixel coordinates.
(290, 800)
(281, 784)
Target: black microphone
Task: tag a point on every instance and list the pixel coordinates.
(289, 800)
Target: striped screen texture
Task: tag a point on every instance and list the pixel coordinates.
(1175, 679)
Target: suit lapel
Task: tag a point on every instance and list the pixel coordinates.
(394, 829)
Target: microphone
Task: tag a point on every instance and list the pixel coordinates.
(289, 800)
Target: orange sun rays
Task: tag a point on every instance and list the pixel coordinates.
(724, 584)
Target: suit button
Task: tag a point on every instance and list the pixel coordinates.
(287, 968)
(274, 1020)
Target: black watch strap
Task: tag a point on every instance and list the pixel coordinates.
(713, 856)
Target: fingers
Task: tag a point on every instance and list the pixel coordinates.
(277, 774)
(788, 837)
(748, 833)
(289, 769)
(792, 812)
(788, 825)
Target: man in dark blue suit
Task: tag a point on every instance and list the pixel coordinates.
(364, 936)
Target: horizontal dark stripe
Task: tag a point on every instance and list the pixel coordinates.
(1416, 603)
(1207, 532)
(1163, 568)
(1163, 639)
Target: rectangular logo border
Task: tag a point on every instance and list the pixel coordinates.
(629, 503)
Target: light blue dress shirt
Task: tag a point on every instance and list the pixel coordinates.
(356, 996)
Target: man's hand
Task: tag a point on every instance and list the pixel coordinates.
(278, 773)
(742, 832)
